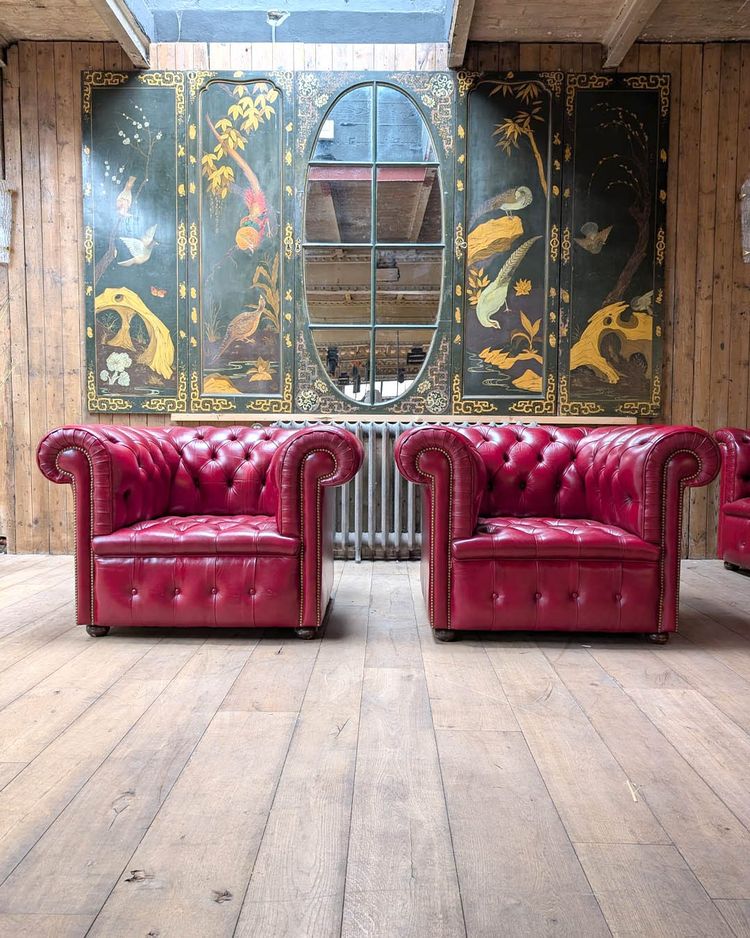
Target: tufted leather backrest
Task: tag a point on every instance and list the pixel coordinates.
(224, 470)
(531, 471)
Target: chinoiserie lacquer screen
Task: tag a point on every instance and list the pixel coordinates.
(509, 206)
(404, 243)
(613, 244)
(135, 212)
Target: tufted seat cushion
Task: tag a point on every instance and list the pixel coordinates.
(204, 535)
(562, 538)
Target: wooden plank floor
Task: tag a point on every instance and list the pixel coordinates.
(374, 783)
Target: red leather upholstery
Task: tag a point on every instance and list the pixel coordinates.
(734, 497)
(557, 538)
(197, 534)
(205, 526)
(559, 528)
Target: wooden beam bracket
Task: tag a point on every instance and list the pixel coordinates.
(126, 30)
(463, 11)
(625, 28)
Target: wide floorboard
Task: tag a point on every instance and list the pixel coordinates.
(373, 783)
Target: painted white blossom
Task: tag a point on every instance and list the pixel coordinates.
(119, 361)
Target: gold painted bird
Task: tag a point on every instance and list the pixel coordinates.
(125, 198)
(593, 240)
(512, 200)
(243, 327)
(494, 296)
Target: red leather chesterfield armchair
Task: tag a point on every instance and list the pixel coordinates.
(734, 498)
(558, 528)
(204, 526)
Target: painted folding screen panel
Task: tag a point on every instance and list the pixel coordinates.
(613, 244)
(240, 344)
(508, 242)
(135, 211)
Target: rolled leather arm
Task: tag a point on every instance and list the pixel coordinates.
(634, 475)
(124, 473)
(311, 457)
(441, 457)
(454, 477)
(734, 444)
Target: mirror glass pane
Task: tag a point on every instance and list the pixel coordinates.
(346, 133)
(345, 354)
(403, 136)
(399, 355)
(409, 205)
(338, 204)
(408, 282)
(337, 285)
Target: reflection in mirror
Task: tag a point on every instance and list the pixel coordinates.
(337, 285)
(403, 136)
(338, 204)
(345, 354)
(346, 133)
(408, 285)
(399, 357)
(409, 207)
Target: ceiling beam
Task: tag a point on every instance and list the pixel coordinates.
(625, 28)
(463, 10)
(126, 30)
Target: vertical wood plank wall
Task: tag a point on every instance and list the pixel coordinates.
(707, 301)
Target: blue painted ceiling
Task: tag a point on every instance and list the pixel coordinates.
(356, 21)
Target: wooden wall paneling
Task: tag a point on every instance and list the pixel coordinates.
(630, 62)
(706, 227)
(384, 57)
(487, 57)
(406, 58)
(550, 56)
(669, 61)
(571, 57)
(507, 56)
(16, 491)
(738, 412)
(591, 57)
(69, 186)
(725, 247)
(648, 57)
(35, 309)
(529, 59)
(426, 56)
(50, 196)
(685, 234)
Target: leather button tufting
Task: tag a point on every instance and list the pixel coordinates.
(574, 595)
(494, 596)
(177, 590)
(134, 591)
(618, 597)
(214, 591)
(537, 596)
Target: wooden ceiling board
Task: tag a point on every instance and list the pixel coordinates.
(591, 20)
(542, 20)
(692, 20)
(51, 19)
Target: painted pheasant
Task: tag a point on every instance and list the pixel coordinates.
(243, 327)
(495, 296)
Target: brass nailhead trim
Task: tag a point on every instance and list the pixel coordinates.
(683, 484)
(438, 449)
(75, 523)
(318, 559)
